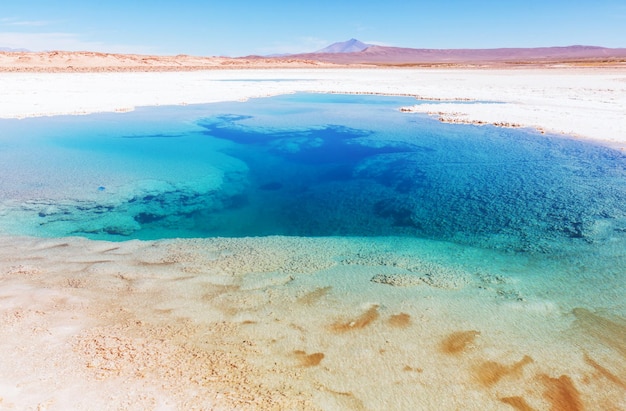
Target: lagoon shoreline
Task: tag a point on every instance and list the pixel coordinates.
(587, 103)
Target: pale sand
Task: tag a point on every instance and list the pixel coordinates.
(293, 323)
(582, 102)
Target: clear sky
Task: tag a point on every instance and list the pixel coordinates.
(243, 27)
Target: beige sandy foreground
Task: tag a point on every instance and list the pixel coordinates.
(304, 324)
(296, 324)
(583, 102)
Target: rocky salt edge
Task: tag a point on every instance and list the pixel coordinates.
(561, 121)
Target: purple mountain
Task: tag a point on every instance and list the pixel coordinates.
(340, 53)
(350, 46)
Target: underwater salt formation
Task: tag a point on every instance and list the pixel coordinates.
(497, 188)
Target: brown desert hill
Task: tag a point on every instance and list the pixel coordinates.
(402, 56)
(87, 61)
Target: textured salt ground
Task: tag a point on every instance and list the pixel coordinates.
(292, 323)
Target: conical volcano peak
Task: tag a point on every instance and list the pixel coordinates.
(350, 46)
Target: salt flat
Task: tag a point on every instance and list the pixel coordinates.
(583, 102)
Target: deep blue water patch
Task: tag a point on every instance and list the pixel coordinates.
(309, 165)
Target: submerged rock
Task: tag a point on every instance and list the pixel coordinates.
(398, 280)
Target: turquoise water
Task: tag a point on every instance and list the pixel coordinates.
(514, 235)
(306, 165)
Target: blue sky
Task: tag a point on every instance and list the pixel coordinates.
(242, 27)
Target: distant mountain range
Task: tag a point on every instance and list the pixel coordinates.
(351, 52)
(356, 52)
(9, 49)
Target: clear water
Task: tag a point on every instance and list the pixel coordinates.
(517, 235)
(306, 165)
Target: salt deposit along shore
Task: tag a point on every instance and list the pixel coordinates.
(337, 323)
(583, 102)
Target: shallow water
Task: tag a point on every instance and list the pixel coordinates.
(306, 165)
(448, 232)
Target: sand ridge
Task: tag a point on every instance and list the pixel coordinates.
(94, 62)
